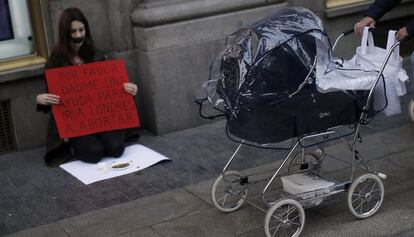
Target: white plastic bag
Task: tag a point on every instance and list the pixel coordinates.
(370, 57)
(334, 74)
(344, 77)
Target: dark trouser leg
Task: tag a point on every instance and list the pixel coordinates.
(87, 148)
(113, 143)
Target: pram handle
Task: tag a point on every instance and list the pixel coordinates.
(371, 29)
(200, 102)
(347, 32)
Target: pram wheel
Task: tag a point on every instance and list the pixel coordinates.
(365, 195)
(285, 218)
(311, 160)
(411, 110)
(229, 191)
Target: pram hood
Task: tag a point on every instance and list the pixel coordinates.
(297, 31)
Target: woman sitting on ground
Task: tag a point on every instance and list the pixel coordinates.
(75, 46)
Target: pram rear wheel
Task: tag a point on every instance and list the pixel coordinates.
(229, 191)
(285, 218)
(365, 195)
(311, 160)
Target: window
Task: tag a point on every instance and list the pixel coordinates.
(22, 37)
(16, 38)
(6, 28)
(339, 3)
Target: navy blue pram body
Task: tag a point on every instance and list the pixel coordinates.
(260, 78)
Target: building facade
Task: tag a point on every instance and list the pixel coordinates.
(168, 46)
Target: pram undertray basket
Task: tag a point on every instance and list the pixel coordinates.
(265, 78)
(306, 186)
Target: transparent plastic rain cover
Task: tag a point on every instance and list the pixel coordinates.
(264, 80)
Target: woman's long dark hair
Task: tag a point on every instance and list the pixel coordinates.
(63, 49)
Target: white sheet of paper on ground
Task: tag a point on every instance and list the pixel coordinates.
(137, 156)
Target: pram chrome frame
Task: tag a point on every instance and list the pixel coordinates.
(281, 210)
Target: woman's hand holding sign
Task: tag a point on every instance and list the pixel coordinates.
(47, 99)
(131, 88)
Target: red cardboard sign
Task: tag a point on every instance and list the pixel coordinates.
(92, 98)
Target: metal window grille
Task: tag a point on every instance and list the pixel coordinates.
(7, 138)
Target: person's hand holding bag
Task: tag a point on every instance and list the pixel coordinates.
(402, 33)
(360, 25)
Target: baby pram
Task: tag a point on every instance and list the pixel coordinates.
(265, 83)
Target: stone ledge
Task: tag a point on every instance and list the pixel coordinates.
(156, 13)
(21, 73)
(399, 11)
(198, 30)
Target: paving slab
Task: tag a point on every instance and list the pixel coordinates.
(408, 233)
(133, 215)
(378, 145)
(213, 223)
(50, 230)
(144, 232)
(391, 219)
(253, 233)
(394, 167)
(202, 190)
(404, 197)
(310, 216)
(400, 187)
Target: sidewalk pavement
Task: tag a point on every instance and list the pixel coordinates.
(187, 211)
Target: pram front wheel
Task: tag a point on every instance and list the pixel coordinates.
(310, 160)
(229, 191)
(285, 218)
(365, 195)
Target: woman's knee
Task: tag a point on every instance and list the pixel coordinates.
(90, 154)
(114, 149)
